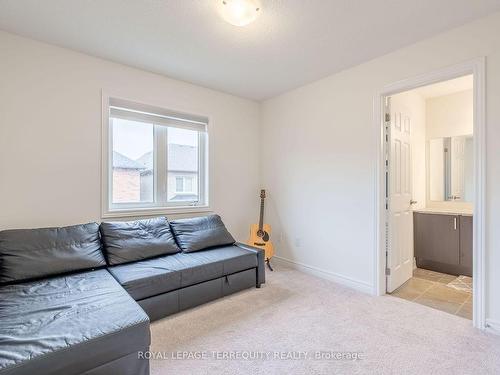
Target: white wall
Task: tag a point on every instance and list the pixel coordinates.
(437, 188)
(50, 124)
(450, 115)
(319, 155)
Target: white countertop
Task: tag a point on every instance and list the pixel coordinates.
(446, 211)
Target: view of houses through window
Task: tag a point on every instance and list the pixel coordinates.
(182, 165)
(132, 143)
(137, 149)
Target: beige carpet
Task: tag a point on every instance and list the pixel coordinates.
(295, 312)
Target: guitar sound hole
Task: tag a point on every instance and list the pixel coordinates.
(264, 235)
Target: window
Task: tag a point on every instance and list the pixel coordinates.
(179, 184)
(184, 184)
(156, 159)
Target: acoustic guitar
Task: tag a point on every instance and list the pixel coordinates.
(260, 233)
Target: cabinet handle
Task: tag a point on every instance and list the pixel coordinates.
(455, 223)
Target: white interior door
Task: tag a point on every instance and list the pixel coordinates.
(400, 215)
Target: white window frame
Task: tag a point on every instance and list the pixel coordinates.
(159, 206)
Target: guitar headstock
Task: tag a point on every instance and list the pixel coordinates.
(262, 194)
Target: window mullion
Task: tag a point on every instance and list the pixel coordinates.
(161, 165)
(165, 168)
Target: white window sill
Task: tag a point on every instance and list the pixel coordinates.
(154, 211)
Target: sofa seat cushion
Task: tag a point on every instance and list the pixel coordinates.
(160, 275)
(68, 325)
(35, 253)
(128, 241)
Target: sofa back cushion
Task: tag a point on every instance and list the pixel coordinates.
(35, 253)
(130, 241)
(200, 233)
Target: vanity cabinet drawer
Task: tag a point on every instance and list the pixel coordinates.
(443, 243)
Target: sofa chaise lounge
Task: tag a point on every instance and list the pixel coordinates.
(79, 299)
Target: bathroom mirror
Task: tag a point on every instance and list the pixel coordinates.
(450, 169)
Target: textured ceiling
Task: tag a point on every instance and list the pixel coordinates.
(292, 43)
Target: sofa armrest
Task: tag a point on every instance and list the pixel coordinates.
(261, 269)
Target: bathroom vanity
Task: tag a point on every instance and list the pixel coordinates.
(442, 232)
(443, 240)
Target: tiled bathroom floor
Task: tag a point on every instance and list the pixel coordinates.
(443, 292)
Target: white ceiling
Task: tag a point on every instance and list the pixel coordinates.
(292, 43)
(446, 87)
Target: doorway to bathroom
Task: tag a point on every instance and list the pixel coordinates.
(430, 209)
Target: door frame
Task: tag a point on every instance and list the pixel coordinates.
(476, 67)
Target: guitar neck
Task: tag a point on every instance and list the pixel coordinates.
(261, 217)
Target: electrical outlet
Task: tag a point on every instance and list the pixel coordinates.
(298, 242)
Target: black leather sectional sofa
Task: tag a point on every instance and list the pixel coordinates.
(79, 299)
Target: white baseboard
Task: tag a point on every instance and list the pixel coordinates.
(328, 275)
(493, 326)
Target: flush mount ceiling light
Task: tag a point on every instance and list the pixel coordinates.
(239, 12)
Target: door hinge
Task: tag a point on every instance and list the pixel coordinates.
(387, 117)
(387, 272)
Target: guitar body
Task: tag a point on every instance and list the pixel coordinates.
(261, 239)
(260, 233)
